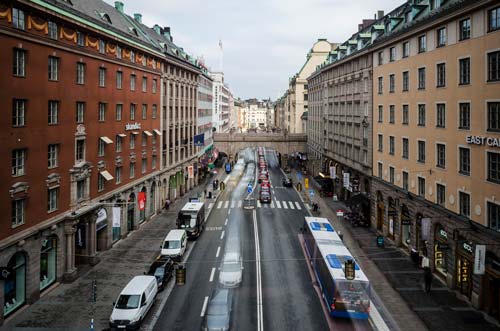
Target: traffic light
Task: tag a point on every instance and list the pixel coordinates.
(349, 272)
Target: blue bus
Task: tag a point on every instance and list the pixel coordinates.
(228, 167)
(327, 254)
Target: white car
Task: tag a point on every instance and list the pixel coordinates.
(231, 271)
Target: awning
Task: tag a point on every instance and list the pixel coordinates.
(123, 135)
(106, 175)
(135, 132)
(106, 140)
(149, 134)
(158, 132)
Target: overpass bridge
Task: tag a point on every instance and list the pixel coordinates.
(231, 143)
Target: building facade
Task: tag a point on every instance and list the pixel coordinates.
(222, 105)
(436, 142)
(205, 116)
(88, 95)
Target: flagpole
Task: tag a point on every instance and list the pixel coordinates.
(221, 56)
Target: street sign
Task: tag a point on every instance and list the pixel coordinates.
(340, 212)
(306, 183)
(299, 175)
(249, 188)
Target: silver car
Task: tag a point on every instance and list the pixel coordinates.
(231, 271)
(218, 316)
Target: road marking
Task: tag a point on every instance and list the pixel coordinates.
(218, 251)
(260, 319)
(210, 205)
(226, 204)
(225, 223)
(204, 308)
(233, 204)
(278, 204)
(222, 235)
(229, 212)
(272, 204)
(291, 205)
(212, 275)
(219, 204)
(258, 204)
(285, 205)
(298, 205)
(240, 203)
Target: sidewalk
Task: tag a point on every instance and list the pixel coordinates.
(69, 306)
(399, 283)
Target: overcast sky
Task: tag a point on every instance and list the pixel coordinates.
(264, 41)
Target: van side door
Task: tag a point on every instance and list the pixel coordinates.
(144, 305)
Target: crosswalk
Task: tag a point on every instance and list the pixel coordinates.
(275, 204)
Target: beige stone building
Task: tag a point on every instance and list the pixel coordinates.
(436, 140)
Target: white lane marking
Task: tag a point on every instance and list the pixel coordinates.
(291, 205)
(226, 204)
(240, 203)
(260, 319)
(285, 205)
(233, 204)
(278, 204)
(212, 275)
(219, 204)
(258, 204)
(272, 204)
(222, 235)
(229, 212)
(298, 205)
(225, 223)
(376, 319)
(204, 308)
(218, 251)
(274, 193)
(210, 205)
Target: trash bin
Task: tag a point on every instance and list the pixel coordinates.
(380, 241)
(180, 275)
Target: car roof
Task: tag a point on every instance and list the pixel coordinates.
(175, 234)
(231, 256)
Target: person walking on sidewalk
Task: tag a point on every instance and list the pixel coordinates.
(427, 279)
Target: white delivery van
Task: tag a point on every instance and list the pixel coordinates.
(133, 303)
(174, 245)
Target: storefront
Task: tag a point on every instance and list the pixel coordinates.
(101, 226)
(141, 198)
(491, 289)
(48, 260)
(81, 243)
(117, 220)
(441, 250)
(465, 260)
(392, 214)
(15, 285)
(130, 212)
(380, 211)
(405, 225)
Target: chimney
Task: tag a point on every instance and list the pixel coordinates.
(166, 33)
(119, 6)
(360, 27)
(157, 29)
(380, 14)
(138, 17)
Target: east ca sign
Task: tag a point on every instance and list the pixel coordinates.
(480, 140)
(132, 126)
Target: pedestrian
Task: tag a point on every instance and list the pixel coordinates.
(167, 204)
(427, 279)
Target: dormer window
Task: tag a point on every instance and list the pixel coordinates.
(105, 17)
(68, 2)
(133, 31)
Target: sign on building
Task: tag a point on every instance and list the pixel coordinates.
(479, 259)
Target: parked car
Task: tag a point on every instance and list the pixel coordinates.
(218, 315)
(287, 182)
(174, 244)
(163, 270)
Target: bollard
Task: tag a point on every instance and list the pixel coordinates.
(180, 275)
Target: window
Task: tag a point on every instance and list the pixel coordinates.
(144, 84)
(406, 115)
(100, 183)
(493, 214)
(100, 147)
(53, 68)
(132, 111)
(102, 111)
(440, 194)
(421, 151)
(102, 77)
(421, 186)
(464, 161)
(153, 140)
(464, 116)
(80, 38)
(119, 80)
(422, 44)
(118, 52)
(80, 189)
(464, 29)
(18, 113)
(440, 156)
(52, 30)
(494, 167)
(391, 175)
(494, 19)
(392, 114)
(406, 81)
(154, 85)
(19, 63)
(380, 170)
(380, 114)
(380, 143)
(406, 49)
(144, 165)
(391, 145)
(53, 153)
(18, 162)
(80, 73)
(132, 170)
(494, 66)
(392, 54)
(391, 83)
(494, 116)
(118, 175)
(464, 204)
(18, 213)
(144, 112)
(380, 85)
(18, 18)
(440, 115)
(53, 112)
(118, 144)
(464, 65)
(80, 112)
(405, 180)
(154, 111)
(421, 115)
(144, 139)
(132, 141)
(132, 56)
(380, 58)
(52, 195)
(132, 82)
(80, 150)
(441, 74)
(441, 37)
(102, 46)
(406, 149)
(421, 78)
(119, 111)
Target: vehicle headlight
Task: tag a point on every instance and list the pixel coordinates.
(111, 320)
(135, 318)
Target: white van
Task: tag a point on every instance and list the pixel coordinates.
(133, 303)
(174, 244)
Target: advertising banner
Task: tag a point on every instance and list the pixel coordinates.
(332, 172)
(117, 214)
(479, 259)
(190, 172)
(141, 200)
(199, 140)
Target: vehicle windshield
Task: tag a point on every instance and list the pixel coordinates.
(159, 271)
(172, 244)
(216, 309)
(231, 267)
(128, 301)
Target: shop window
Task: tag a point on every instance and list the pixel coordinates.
(15, 285)
(48, 263)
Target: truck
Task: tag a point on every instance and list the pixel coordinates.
(192, 219)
